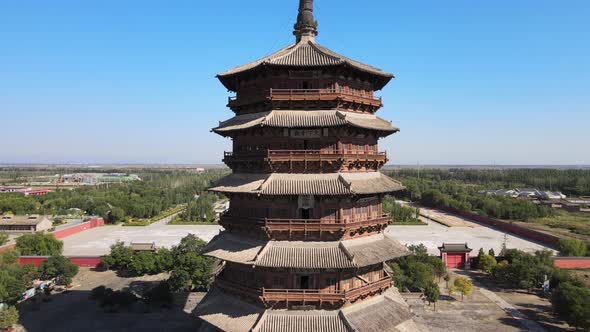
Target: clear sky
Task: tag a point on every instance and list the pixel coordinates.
(110, 81)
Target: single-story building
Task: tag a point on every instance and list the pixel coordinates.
(143, 246)
(455, 256)
(24, 224)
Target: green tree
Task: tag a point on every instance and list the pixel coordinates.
(420, 250)
(420, 275)
(120, 257)
(572, 303)
(486, 263)
(571, 247)
(3, 238)
(39, 244)
(8, 317)
(60, 268)
(164, 260)
(116, 215)
(432, 293)
(492, 253)
(191, 269)
(143, 263)
(463, 286)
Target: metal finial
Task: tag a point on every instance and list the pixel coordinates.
(306, 26)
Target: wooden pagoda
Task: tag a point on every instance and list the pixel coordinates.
(304, 244)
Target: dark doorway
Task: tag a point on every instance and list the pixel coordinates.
(306, 214)
(305, 145)
(304, 282)
(305, 85)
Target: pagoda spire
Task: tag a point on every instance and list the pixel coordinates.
(306, 26)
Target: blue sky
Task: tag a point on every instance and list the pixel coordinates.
(503, 82)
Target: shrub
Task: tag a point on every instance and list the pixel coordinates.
(121, 256)
(572, 303)
(486, 263)
(39, 244)
(3, 238)
(143, 263)
(8, 317)
(571, 247)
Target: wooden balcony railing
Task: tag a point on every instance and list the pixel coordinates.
(279, 95)
(306, 155)
(305, 225)
(316, 295)
(305, 295)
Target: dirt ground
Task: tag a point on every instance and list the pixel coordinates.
(479, 312)
(73, 310)
(533, 306)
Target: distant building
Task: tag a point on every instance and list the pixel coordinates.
(143, 246)
(37, 192)
(12, 189)
(24, 224)
(503, 192)
(528, 192)
(552, 195)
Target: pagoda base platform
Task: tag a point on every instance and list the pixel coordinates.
(221, 311)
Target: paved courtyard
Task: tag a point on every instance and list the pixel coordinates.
(97, 241)
(476, 236)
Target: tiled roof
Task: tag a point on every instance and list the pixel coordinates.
(456, 247)
(305, 119)
(381, 314)
(305, 255)
(307, 54)
(301, 255)
(227, 313)
(374, 249)
(301, 321)
(308, 184)
(31, 220)
(384, 313)
(232, 248)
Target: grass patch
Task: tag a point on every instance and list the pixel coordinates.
(408, 223)
(162, 215)
(178, 221)
(575, 222)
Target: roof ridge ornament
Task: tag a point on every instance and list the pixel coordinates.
(306, 27)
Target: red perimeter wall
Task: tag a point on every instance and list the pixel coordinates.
(572, 262)
(80, 261)
(544, 238)
(7, 247)
(92, 223)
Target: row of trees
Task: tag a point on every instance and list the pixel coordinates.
(159, 191)
(400, 213)
(463, 196)
(569, 181)
(200, 210)
(189, 270)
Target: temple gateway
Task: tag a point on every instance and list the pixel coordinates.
(304, 244)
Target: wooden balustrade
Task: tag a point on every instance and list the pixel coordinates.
(327, 224)
(306, 295)
(317, 295)
(279, 95)
(306, 155)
